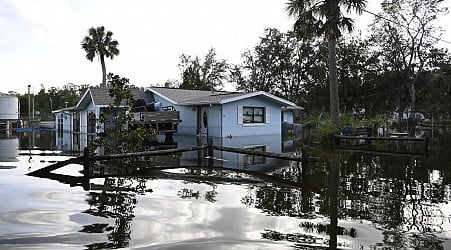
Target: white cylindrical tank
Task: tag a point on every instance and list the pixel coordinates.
(9, 107)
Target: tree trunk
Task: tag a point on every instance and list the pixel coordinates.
(334, 183)
(333, 81)
(102, 62)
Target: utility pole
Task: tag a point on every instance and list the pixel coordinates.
(29, 107)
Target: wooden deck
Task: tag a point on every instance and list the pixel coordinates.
(341, 141)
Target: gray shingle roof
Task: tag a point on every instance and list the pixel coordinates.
(184, 95)
(211, 99)
(101, 96)
(199, 97)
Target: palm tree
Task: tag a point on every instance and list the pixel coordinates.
(324, 18)
(101, 44)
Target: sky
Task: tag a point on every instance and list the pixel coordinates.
(40, 39)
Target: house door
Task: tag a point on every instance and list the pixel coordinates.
(202, 122)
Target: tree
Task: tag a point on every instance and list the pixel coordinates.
(406, 36)
(357, 69)
(434, 94)
(101, 44)
(280, 65)
(208, 74)
(120, 135)
(324, 18)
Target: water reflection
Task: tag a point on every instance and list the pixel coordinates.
(8, 148)
(115, 199)
(346, 200)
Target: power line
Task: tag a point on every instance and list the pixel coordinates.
(402, 25)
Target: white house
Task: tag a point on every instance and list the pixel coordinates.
(204, 113)
(91, 104)
(225, 114)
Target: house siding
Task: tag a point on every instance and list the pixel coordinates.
(66, 121)
(188, 117)
(84, 117)
(214, 121)
(231, 126)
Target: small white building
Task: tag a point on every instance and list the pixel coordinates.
(9, 110)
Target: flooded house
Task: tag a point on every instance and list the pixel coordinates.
(244, 120)
(226, 114)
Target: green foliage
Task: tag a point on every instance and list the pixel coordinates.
(49, 99)
(290, 133)
(376, 122)
(347, 120)
(324, 131)
(405, 37)
(100, 43)
(281, 65)
(208, 74)
(118, 136)
(317, 18)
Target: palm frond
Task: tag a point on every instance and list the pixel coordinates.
(347, 23)
(354, 5)
(99, 42)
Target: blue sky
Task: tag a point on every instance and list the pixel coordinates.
(40, 39)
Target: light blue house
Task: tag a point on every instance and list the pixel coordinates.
(202, 113)
(91, 105)
(225, 114)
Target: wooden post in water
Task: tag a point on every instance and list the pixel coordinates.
(86, 161)
(210, 152)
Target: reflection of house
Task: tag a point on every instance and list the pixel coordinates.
(225, 114)
(269, 143)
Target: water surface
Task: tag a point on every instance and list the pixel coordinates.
(348, 200)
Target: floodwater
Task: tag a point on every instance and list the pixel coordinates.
(342, 199)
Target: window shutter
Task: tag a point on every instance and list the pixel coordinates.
(268, 116)
(240, 115)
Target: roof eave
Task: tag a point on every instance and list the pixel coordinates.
(160, 95)
(258, 93)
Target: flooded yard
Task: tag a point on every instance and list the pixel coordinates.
(346, 200)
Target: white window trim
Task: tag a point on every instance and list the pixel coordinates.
(254, 124)
(240, 118)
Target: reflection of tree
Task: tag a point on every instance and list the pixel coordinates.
(279, 201)
(325, 229)
(117, 200)
(399, 239)
(302, 240)
(394, 193)
(210, 195)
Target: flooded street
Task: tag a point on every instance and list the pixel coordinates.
(346, 200)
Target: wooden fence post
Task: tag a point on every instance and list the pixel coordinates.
(210, 152)
(86, 161)
(426, 144)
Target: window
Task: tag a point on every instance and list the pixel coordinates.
(91, 122)
(76, 121)
(249, 159)
(253, 115)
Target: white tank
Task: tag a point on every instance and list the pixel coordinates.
(9, 107)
